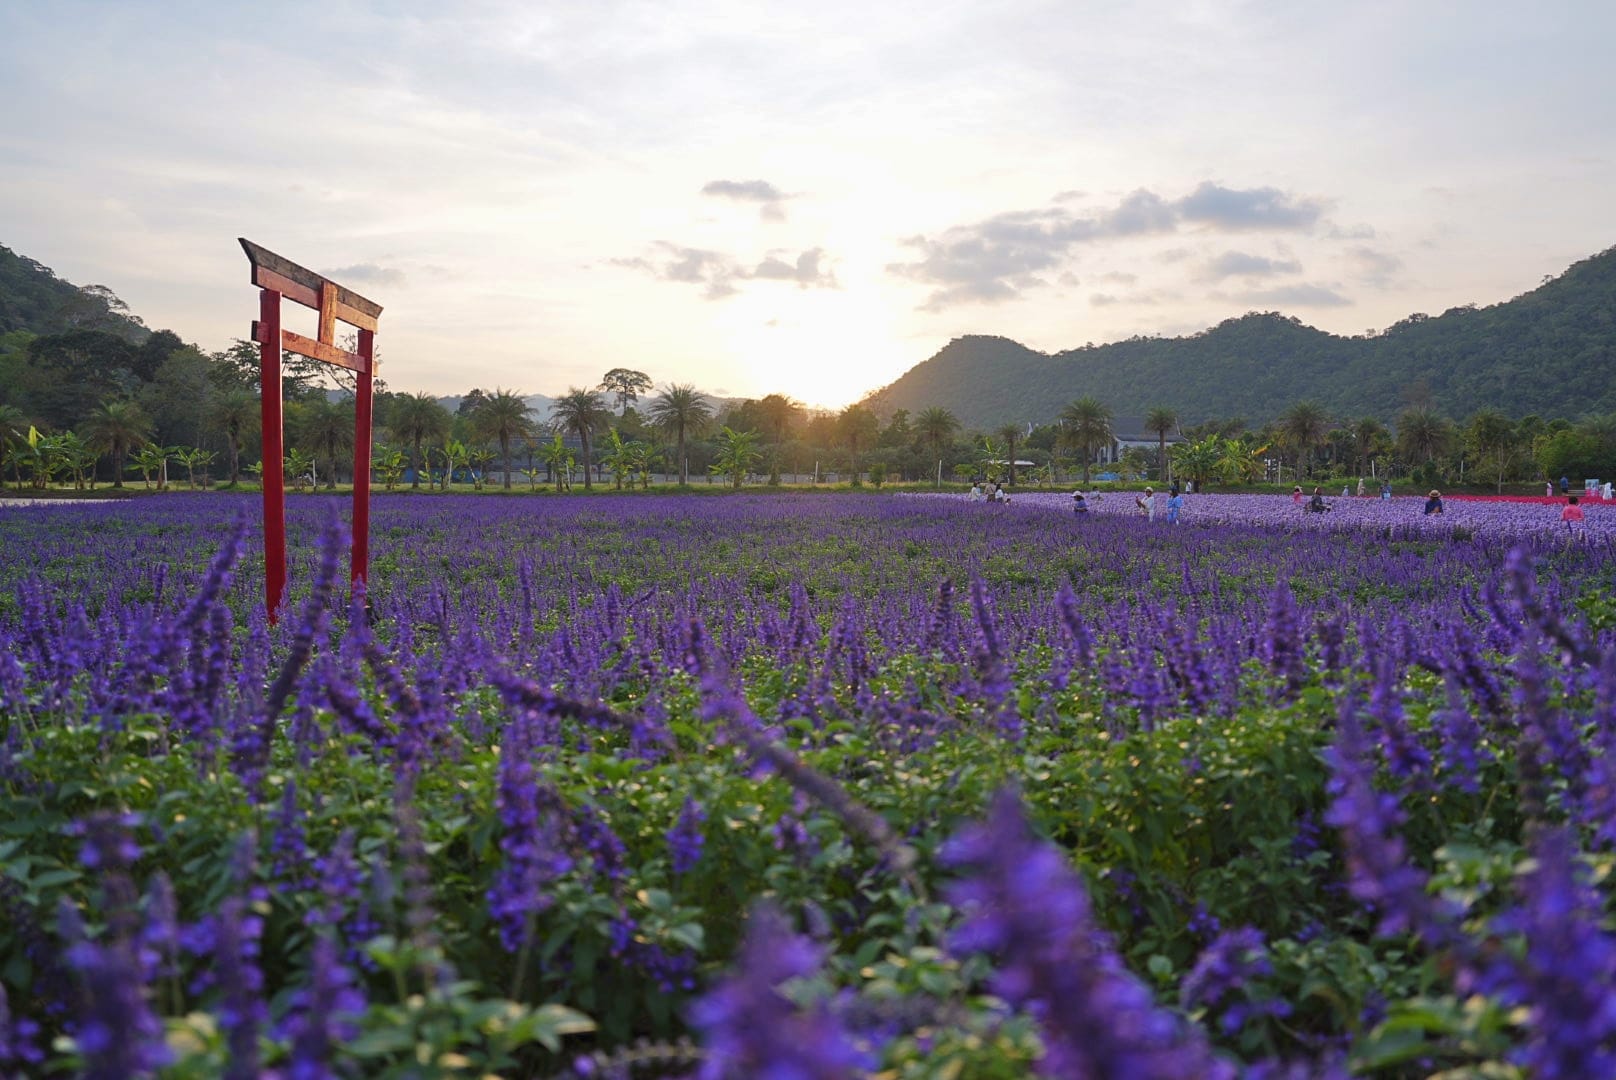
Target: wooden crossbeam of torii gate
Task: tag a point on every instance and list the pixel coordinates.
(278, 277)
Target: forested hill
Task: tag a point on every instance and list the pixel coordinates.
(1551, 351)
(34, 299)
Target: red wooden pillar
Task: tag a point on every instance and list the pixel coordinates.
(269, 388)
(363, 399)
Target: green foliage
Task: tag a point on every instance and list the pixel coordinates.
(34, 299)
(737, 453)
(389, 463)
(1201, 461)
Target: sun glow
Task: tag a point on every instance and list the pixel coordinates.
(825, 348)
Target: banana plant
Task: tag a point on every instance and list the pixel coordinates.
(300, 466)
(150, 460)
(1198, 461)
(389, 463)
(990, 459)
(644, 457)
(1241, 463)
(478, 459)
(194, 458)
(456, 455)
(619, 457)
(76, 458)
(558, 456)
(737, 453)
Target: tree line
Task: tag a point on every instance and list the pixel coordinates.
(87, 404)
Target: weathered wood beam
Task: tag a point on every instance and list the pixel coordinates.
(314, 350)
(302, 285)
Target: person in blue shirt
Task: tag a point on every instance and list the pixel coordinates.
(1174, 506)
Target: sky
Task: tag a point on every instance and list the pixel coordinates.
(796, 198)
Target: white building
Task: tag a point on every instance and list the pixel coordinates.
(1128, 432)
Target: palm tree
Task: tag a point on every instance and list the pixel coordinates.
(503, 416)
(857, 427)
(1367, 434)
(234, 413)
(1162, 421)
(1086, 425)
(1302, 427)
(682, 411)
(117, 427)
(1422, 433)
(583, 412)
(779, 413)
(417, 419)
(937, 427)
(323, 425)
(1010, 433)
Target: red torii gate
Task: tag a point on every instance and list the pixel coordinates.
(278, 277)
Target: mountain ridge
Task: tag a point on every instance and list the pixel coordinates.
(1550, 351)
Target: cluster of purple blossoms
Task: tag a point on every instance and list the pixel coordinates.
(687, 837)
(534, 852)
(19, 1041)
(1566, 976)
(1379, 872)
(754, 1031)
(1023, 905)
(321, 1015)
(117, 1033)
(1224, 971)
(595, 836)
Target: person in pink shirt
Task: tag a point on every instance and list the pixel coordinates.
(1571, 514)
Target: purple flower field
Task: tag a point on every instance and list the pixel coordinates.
(808, 785)
(1403, 515)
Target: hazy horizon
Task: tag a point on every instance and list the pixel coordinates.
(757, 200)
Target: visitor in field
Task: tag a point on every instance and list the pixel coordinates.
(1296, 495)
(1385, 490)
(1175, 506)
(993, 493)
(1147, 503)
(1433, 503)
(1080, 505)
(1565, 484)
(1317, 505)
(976, 493)
(1548, 489)
(1344, 490)
(1360, 487)
(999, 494)
(1571, 514)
